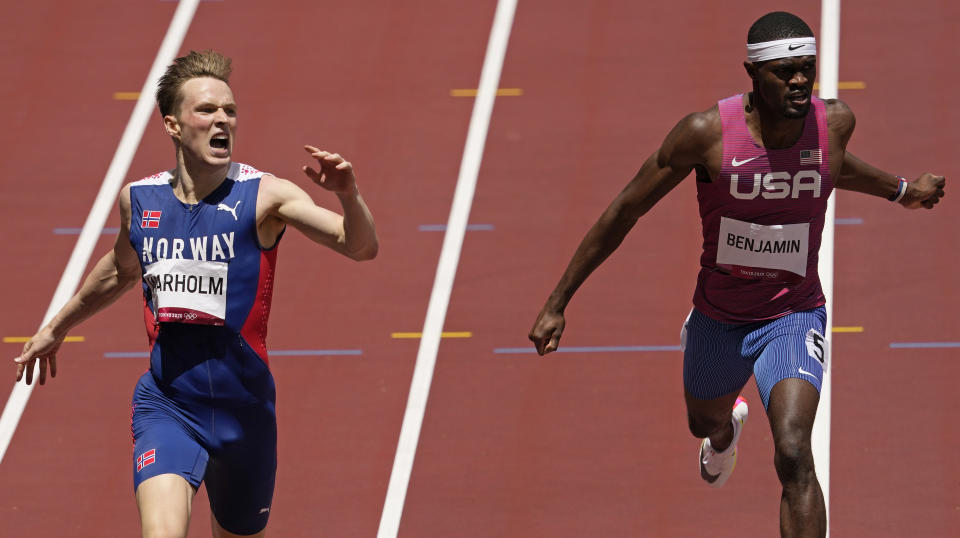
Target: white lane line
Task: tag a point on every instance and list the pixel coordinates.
(446, 269)
(829, 71)
(104, 202)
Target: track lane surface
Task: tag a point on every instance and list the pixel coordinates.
(596, 444)
(511, 445)
(62, 129)
(894, 473)
(359, 80)
(582, 444)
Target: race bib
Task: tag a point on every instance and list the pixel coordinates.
(817, 346)
(188, 291)
(758, 252)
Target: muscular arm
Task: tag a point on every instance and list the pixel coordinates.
(116, 272)
(353, 234)
(860, 176)
(684, 147)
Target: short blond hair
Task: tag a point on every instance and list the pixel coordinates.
(208, 63)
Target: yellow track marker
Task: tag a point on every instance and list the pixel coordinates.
(126, 96)
(502, 92)
(463, 334)
(21, 339)
(852, 85)
(847, 329)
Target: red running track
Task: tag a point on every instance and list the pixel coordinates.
(512, 445)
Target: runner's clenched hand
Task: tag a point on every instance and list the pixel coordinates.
(546, 331)
(925, 191)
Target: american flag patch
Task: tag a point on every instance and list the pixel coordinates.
(811, 156)
(151, 219)
(146, 458)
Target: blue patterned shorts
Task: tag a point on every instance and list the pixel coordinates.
(718, 358)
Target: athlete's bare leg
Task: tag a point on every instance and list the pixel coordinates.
(220, 532)
(793, 405)
(164, 501)
(711, 418)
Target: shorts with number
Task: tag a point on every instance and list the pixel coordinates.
(719, 358)
(232, 449)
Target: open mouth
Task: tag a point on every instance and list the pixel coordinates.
(220, 141)
(798, 98)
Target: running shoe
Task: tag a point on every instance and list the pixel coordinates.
(716, 467)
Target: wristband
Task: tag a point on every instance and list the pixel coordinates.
(901, 190)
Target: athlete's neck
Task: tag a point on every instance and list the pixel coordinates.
(768, 126)
(194, 180)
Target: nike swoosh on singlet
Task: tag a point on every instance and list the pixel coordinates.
(736, 163)
(804, 372)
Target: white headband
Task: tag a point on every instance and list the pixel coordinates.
(782, 48)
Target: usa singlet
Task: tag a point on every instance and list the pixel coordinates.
(762, 222)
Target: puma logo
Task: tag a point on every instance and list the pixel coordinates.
(231, 210)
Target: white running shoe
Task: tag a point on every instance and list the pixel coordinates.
(716, 467)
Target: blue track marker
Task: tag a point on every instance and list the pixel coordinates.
(587, 349)
(313, 352)
(272, 353)
(443, 227)
(927, 345)
(76, 231)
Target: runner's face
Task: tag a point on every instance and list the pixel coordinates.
(208, 120)
(787, 84)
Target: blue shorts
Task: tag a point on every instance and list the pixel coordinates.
(718, 358)
(232, 449)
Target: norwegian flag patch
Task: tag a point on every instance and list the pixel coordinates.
(150, 219)
(146, 458)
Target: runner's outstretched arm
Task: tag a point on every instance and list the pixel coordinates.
(116, 272)
(683, 148)
(860, 176)
(353, 234)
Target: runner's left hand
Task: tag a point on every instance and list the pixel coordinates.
(335, 174)
(41, 347)
(925, 191)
